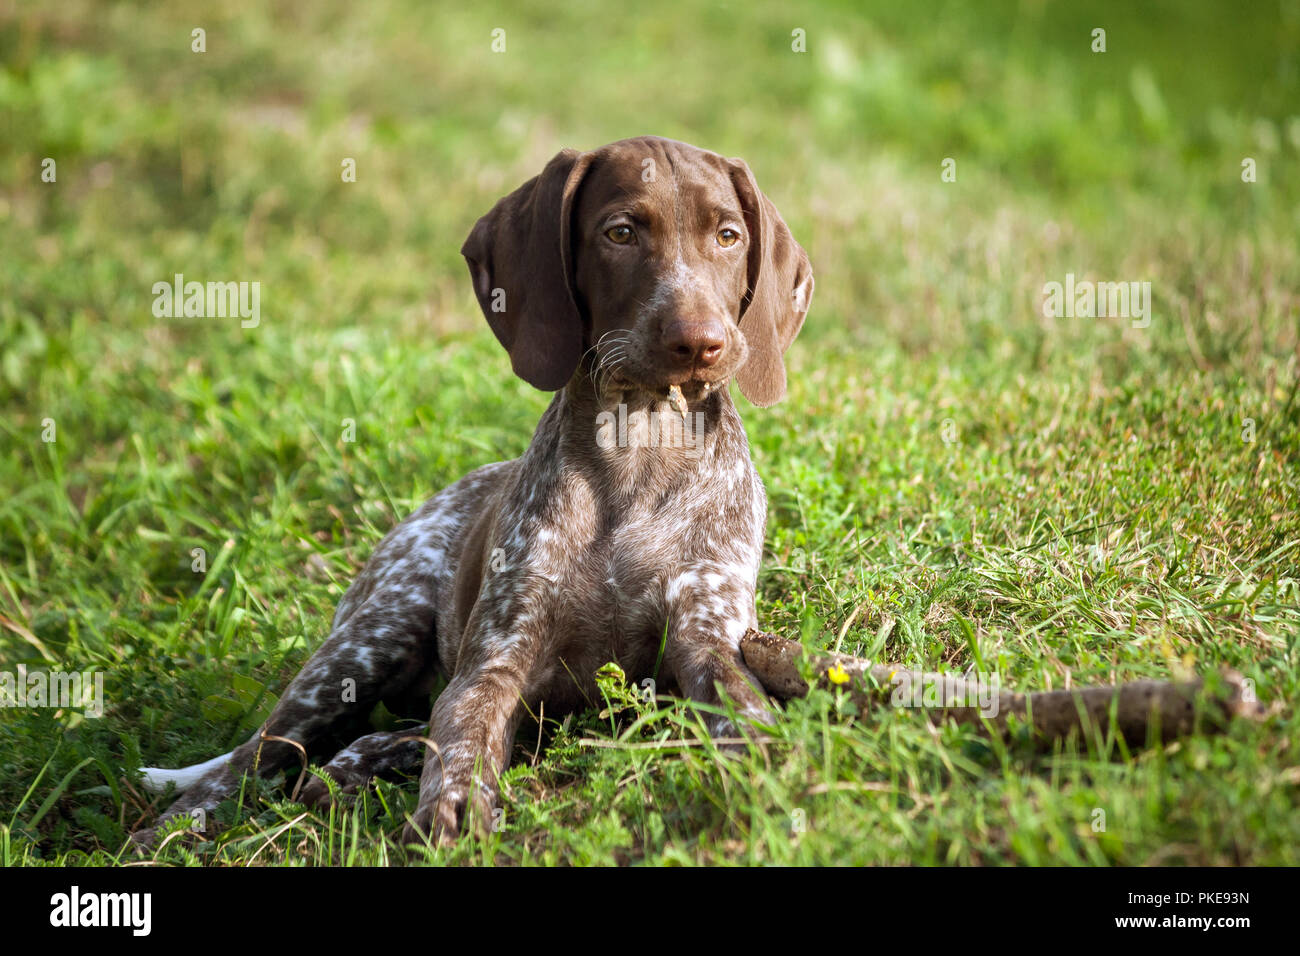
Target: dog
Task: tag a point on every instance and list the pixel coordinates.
(635, 281)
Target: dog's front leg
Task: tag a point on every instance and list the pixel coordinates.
(471, 733)
(705, 623)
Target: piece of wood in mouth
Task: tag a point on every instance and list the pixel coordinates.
(677, 399)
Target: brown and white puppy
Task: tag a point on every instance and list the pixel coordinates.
(635, 279)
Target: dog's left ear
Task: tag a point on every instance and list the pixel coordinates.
(522, 268)
(780, 291)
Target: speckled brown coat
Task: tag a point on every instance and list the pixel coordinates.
(629, 278)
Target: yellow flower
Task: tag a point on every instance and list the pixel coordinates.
(837, 674)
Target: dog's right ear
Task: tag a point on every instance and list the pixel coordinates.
(521, 263)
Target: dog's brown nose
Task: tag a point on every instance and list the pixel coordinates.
(695, 344)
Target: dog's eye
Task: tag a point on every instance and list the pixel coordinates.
(728, 237)
(623, 235)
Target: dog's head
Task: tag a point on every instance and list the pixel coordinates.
(662, 263)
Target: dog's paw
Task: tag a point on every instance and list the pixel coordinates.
(317, 795)
(443, 820)
(355, 767)
(188, 828)
(142, 841)
(737, 738)
(439, 824)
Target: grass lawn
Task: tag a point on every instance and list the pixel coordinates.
(956, 481)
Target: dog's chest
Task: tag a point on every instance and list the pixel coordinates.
(602, 547)
(622, 581)
(613, 583)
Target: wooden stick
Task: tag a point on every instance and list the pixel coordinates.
(1140, 708)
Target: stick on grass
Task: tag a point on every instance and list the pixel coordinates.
(1169, 709)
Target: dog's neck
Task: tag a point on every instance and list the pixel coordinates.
(634, 444)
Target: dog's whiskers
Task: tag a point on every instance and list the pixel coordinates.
(610, 365)
(607, 362)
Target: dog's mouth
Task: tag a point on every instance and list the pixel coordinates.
(623, 377)
(694, 389)
(621, 369)
(676, 393)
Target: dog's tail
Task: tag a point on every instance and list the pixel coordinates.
(155, 780)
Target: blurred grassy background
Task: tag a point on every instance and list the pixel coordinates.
(1099, 517)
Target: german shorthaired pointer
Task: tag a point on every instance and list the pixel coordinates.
(634, 280)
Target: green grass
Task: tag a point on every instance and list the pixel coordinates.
(1097, 514)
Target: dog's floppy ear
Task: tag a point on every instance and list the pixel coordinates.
(780, 291)
(522, 268)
